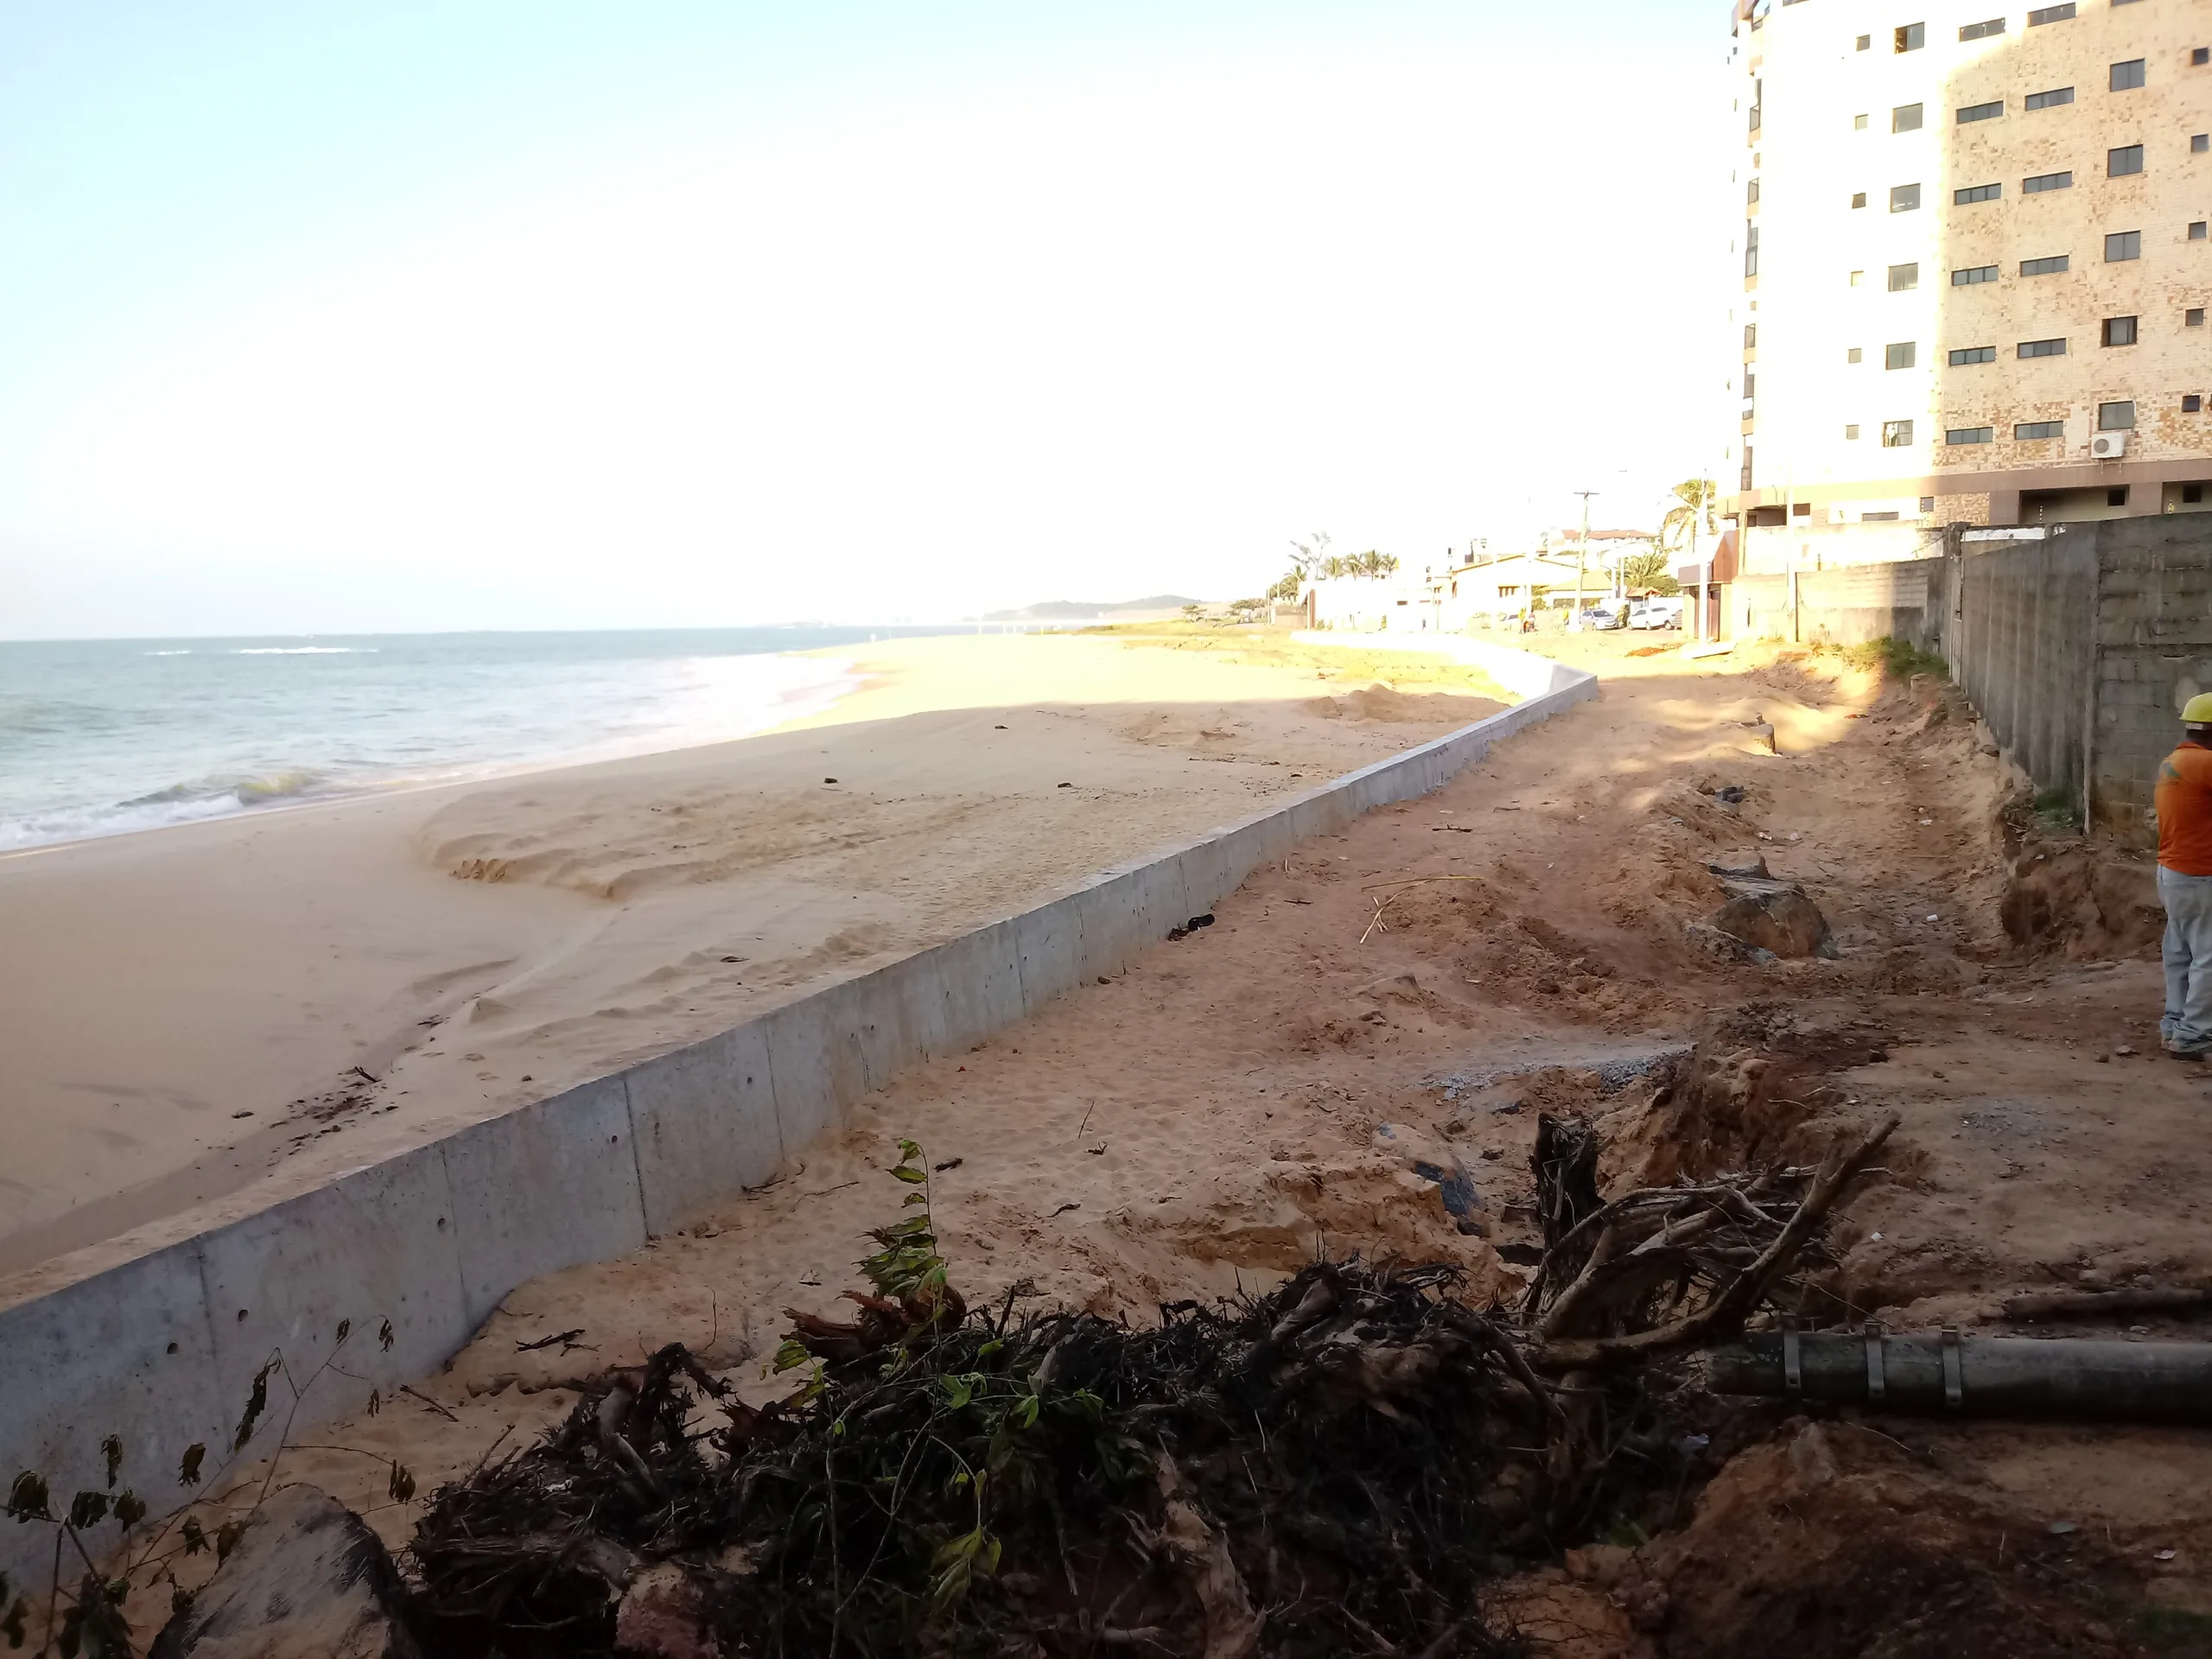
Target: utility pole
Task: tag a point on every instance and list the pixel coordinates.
(1581, 558)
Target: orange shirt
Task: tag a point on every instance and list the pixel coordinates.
(2185, 811)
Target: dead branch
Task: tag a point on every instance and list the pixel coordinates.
(1725, 1311)
(2103, 1305)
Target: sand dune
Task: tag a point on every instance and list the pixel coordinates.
(227, 1011)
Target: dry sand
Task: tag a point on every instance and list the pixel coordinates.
(1216, 1113)
(182, 1011)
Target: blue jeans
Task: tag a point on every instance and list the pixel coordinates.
(2187, 899)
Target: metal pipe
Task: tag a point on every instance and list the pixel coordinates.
(1939, 1373)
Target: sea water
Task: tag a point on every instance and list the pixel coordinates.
(103, 737)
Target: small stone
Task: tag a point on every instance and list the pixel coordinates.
(664, 1616)
(308, 1580)
(2124, 1050)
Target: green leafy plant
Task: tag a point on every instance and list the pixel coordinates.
(1899, 659)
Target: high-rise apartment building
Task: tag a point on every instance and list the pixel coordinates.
(1975, 264)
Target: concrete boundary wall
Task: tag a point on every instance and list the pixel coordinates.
(418, 1251)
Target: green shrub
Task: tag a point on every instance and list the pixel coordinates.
(1899, 659)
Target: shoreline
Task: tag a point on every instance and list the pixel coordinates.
(202, 999)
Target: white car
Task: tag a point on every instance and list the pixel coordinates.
(1655, 614)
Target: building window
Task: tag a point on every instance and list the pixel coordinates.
(2042, 348)
(1750, 385)
(2193, 318)
(1967, 276)
(2123, 244)
(2200, 55)
(2050, 15)
(1904, 197)
(1866, 40)
(2191, 494)
(1969, 434)
(1859, 199)
(1900, 354)
(1751, 250)
(2028, 429)
(1751, 336)
(1967, 354)
(2199, 142)
(1910, 37)
(2050, 265)
(1851, 434)
(2114, 497)
(1744, 476)
(1751, 194)
(1975, 192)
(2197, 230)
(2119, 331)
(2127, 77)
(2043, 181)
(1896, 435)
(2192, 402)
(1877, 517)
(2050, 100)
(1927, 504)
(2119, 162)
(1859, 124)
(1982, 111)
(1982, 31)
(2116, 417)
(1853, 355)
(1905, 117)
(1904, 276)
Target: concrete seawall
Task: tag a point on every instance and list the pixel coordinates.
(161, 1348)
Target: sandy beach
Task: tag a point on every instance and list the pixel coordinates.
(1235, 1102)
(225, 1012)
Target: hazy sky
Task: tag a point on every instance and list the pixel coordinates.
(454, 314)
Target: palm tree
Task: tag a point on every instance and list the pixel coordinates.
(1642, 571)
(1310, 556)
(1696, 499)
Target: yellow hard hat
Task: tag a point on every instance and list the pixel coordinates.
(2197, 711)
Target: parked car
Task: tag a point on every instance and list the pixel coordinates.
(1655, 614)
(1607, 613)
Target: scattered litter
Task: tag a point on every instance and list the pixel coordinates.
(2059, 1529)
(1063, 1210)
(949, 1163)
(2162, 1554)
(828, 780)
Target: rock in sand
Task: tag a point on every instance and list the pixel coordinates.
(308, 1580)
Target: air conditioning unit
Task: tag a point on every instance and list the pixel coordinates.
(2107, 446)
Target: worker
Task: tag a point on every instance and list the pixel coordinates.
(2184, 806)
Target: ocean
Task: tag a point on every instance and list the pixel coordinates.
(105, 737)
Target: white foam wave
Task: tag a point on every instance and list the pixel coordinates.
(166, 653)
(304, 651)
(599, 715)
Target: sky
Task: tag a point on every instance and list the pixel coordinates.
(473, 315)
